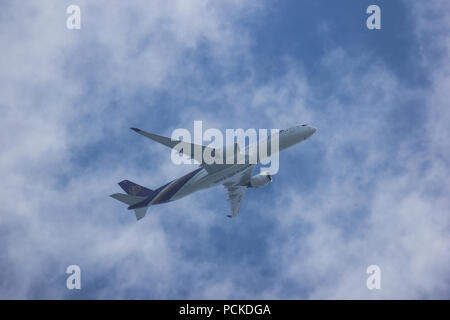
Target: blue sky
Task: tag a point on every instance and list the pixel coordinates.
(370, 187)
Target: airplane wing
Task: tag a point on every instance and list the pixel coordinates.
(236, 190)
(189, 149)
(235, 195)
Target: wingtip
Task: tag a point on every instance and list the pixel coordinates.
(136, 129)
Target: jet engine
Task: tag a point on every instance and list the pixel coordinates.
(260, 180)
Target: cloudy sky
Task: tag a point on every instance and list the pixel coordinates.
(370, 187)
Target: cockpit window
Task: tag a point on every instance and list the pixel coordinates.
(283, 130)
(304, 125)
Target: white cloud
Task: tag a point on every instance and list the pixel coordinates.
(57, 90)
(57, 86)
(404, 227)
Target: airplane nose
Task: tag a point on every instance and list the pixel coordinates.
(312, 130)
(307, 130)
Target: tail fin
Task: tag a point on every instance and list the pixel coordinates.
(130, 200)
(134, 189)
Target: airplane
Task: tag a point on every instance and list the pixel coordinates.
(235, 177)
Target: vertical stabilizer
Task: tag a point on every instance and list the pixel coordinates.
(134, 189)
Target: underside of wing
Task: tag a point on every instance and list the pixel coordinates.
(236, 196)
(193, 151)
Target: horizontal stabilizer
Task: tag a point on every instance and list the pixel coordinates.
(125, 198)
(134, 189)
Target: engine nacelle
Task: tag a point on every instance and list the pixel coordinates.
(260, 180)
